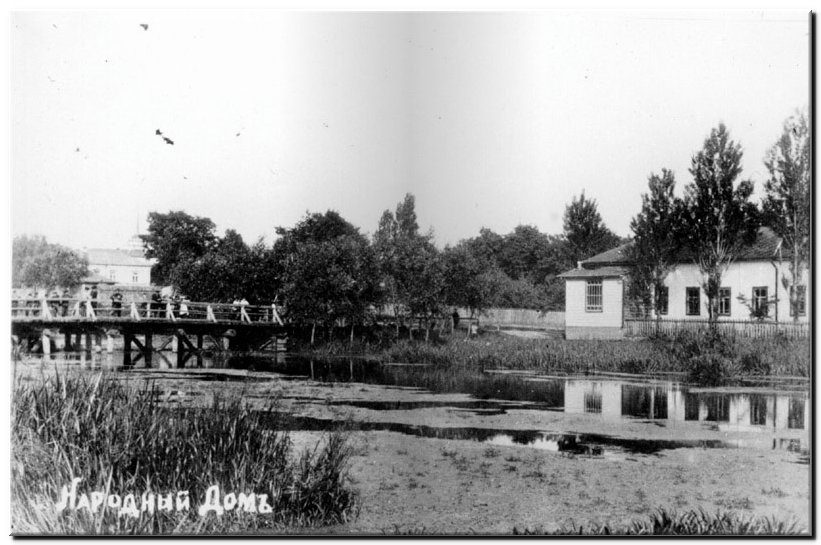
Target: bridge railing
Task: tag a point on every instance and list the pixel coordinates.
(62, 309)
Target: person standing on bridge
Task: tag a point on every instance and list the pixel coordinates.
(155, 305)
(65, 302)
(183, 307)
(93, 298)
(54, 302)
(117, 304)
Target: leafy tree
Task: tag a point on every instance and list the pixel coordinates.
(231, 270)
(384, 247)
(487, 246)
(786, 203)
(326, 268)
(410, 269)
(420, 278)
(38, 263)
(524, 252)
(522, 293)
(471, 281)
(176, 239)
(657, 239)
(585, 233)
(718, 215)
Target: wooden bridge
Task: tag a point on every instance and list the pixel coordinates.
(184, 325)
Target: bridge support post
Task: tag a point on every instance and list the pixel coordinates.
(199, 350)
(88, 345)
(98, 342)
(66, 341)
(45, 340)
(178, 346)
(127, 349)
(148, 349)
(109, 343)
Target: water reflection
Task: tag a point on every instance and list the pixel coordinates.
(782, 417)
(671, 401)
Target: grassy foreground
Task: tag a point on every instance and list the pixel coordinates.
(121, 442)
(695, 522)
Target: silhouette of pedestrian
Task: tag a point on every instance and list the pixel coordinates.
(117, 304)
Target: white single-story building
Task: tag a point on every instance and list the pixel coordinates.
(122, 267)
(596, 304)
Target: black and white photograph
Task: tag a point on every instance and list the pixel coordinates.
(410, 273)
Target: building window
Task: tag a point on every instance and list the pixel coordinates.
(96, 270)
(662, 300)
(594, 296)
(800, 300)
(760, 308)
(693, 303)
(112, 274)
(135, 277)
(724, 301)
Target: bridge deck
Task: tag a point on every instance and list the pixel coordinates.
(83, 323)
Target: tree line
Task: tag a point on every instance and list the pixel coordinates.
(323, 268)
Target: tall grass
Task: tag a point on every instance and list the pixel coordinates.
(120, 441)
(706, 358)
(690, 523)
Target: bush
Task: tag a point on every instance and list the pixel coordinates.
(125, 441)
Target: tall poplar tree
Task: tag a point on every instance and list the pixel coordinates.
(718, 215)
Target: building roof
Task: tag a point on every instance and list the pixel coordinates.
(613, 256)
(130, 258)
(765, 247)
(599, 272)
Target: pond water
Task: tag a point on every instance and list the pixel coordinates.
(770, 417)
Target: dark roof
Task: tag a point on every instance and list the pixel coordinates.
(614, 256)
(765, 247)
(599, 272)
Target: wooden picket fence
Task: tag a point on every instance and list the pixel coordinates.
(741, 328)
(513, 317)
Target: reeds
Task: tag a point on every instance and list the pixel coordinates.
(689, 523)
(123, 441)
(707, 359)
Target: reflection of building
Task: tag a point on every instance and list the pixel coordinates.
(730, 411)
(592, 396)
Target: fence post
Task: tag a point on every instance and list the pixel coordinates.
(46, 310)
(275, 314)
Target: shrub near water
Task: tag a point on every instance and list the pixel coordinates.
(126, 442)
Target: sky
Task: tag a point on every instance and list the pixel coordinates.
(491, 119)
